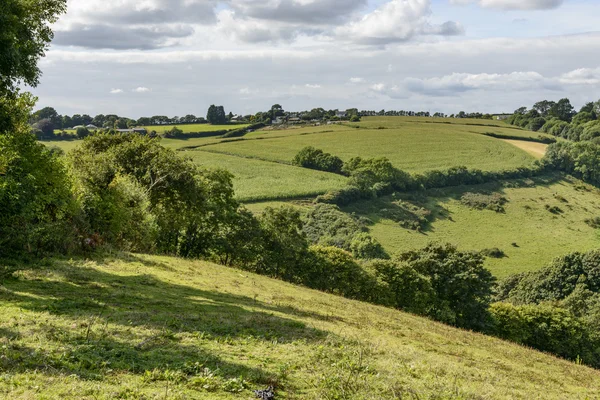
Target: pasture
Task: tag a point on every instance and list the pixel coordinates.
(148, 327)
(195, 128)
(414, 147)
(530, 231)
(256, 180)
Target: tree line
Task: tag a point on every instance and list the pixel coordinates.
(560, 119)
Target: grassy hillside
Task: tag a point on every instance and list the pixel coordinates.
(413, 147)
(527, 231)
(262, 180)
(143, 327)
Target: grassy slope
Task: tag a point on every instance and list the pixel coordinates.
(259, 180)
(539, 234)
(415, 147)
(162, 328)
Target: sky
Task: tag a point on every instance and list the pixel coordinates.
(175, 57)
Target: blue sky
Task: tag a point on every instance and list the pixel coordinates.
(175, 57)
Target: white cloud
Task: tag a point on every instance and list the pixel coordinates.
(357, 80)
(312, 86)
(581, 76)
(513, 4)
(396, 21)
(141, 89)
(116, 91)
(378, 87)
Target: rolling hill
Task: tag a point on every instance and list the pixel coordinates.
(143, 327)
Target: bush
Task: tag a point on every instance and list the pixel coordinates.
(554, 282)
(334, 270)
(403, 287)
(82, 133)
(174, 132)
(376, 175)
(312, 158)
(344, 196)
(546, 328)
(480, 201)
(192, 207)
(493, 253)
(462, 286)
(363, 246)
(36, 198)
(579, 159)
(328, 225)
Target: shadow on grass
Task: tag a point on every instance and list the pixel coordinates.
(419, 210)
(136, 323)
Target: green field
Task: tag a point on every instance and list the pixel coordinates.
(186, 128)
(143, 327)
(262, 180)
(538, 234)
(414, 147)
(189, 128)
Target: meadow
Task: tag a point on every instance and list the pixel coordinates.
(412, 147)
(530, 231)
(195, 128)
(256, 180)
(147, 327)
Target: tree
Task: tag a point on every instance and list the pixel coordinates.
(47, 113)
(562, 110)
(46, 126)
(543, 107)
(216, 115)
(462, 285)
(82, 132)
(24, 39)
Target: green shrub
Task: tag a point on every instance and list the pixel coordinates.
(481, 201)
(403, 287)
(82, 133)
(333, 270)
(546, 328)
(38, 210)
(344, 196)
(462, 285)
(554, 282)
(363, 246)
(312, 158)
(493, 253)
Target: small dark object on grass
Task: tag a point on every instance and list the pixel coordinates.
(267, 394)
(515, 245)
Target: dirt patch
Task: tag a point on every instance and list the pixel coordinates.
(538, 150)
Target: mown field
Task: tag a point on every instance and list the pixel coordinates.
(143, 327)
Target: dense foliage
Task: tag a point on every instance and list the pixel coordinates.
(560, 119)
(328, 225)
(556, 309)
(312, 158)
(579, 159)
